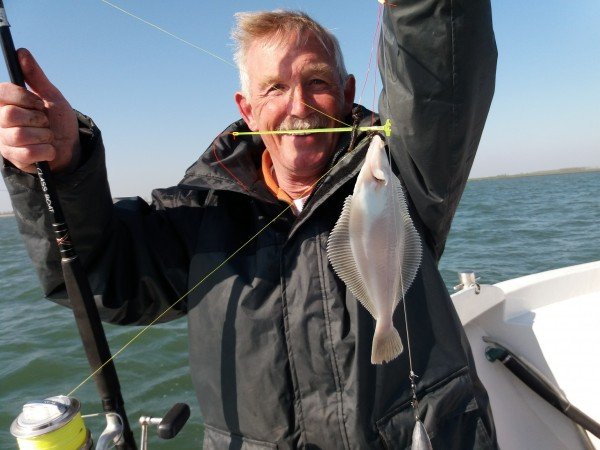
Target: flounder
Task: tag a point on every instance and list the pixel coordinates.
(375, 249)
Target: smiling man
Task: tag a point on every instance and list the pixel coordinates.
(280, 350)
(290, 81)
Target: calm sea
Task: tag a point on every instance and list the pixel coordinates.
(504, 228)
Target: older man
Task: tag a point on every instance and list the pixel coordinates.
(279, 348)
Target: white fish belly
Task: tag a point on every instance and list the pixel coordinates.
(376, 245)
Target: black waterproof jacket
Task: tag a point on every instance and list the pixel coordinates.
(279, 348)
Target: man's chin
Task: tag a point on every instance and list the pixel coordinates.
(309, 159)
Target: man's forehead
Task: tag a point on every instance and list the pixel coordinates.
(289, 42)
(276, 55)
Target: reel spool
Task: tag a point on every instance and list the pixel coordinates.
(51, 424)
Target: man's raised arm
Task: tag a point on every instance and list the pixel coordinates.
(438, 63)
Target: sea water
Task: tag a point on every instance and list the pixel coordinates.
(504, 228)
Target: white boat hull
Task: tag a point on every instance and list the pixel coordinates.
(552, 319)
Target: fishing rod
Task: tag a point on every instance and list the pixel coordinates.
(77, 285)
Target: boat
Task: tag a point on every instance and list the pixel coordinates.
(545, 324)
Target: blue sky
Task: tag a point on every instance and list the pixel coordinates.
(160, 102)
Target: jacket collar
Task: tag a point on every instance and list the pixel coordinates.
(234, 164)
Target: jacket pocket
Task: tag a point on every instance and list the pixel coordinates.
(451, 415)
(215, 439)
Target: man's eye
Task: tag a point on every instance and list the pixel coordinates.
(319, 85)
(276, 88)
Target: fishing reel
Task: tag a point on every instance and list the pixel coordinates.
(56, 423)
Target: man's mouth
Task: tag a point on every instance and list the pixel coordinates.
(302, 127)
(298, 132)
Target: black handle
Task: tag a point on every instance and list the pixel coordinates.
(539, 384)
(173, 421)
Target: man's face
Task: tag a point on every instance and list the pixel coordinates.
(291, 87)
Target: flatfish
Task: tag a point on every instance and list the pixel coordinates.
(375, 249)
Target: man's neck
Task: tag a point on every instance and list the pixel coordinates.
(296, 187)
(286, 184)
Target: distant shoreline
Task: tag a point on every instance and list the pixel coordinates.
(540, 173)
(493, 177)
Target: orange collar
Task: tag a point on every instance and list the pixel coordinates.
(267, 167)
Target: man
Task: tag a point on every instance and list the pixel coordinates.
(279, 348)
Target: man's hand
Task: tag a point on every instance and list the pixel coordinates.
(37, 125)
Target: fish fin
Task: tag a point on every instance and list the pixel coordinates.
(340, 255)
(413, 251)
(387, 344)
(420, 439)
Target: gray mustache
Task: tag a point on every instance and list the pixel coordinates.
(295, 123)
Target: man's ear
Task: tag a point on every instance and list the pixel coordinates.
(349, 92)
(245, 109)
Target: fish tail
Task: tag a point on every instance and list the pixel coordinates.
(387, 344)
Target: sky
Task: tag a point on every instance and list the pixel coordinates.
(159, 102)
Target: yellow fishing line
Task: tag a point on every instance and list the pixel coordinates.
(118, 8)
(143, 330)
(167, 32)
(225, 261)
(71, 436)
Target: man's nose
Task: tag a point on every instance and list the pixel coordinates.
(298, 103)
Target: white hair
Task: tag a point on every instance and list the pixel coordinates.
(277, 26)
